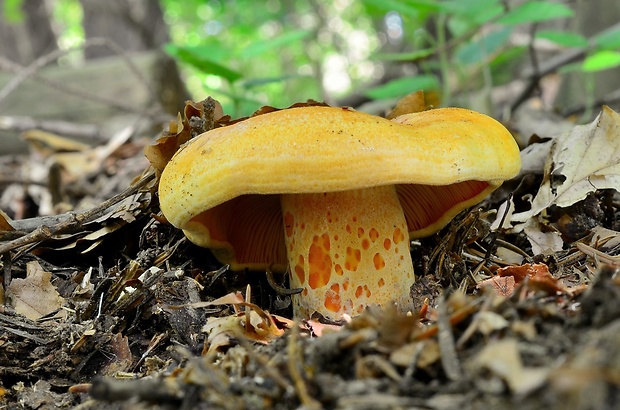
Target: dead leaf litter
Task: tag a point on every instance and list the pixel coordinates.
(516, 305)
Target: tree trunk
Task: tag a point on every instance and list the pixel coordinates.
(591, 18)
(136, 25)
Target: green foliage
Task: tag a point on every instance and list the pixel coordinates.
(608, 40)
(401, 86)
(563, 38)
(67, 16)
(536, 11)
(12, 11)
(601, 60)
(204, 59)
(287, 51)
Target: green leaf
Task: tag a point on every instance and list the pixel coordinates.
(410, 8)
(474, 11)
(257, 82)
(563, 38)
(479, 50)
(535, 11)
(608, 40)
(571, 68)
(262, 46)
(197, 58)
(403, 86)
(601, 60)
(410, 56)
(12, 11)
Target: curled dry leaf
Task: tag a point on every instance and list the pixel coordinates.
(120, 357)
(503, 286)
(417, 101)
(75, 158)
(198, 118)
(261, 327)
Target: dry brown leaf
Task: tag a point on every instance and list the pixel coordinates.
(579, 162)
(164, 148)
(198, 117)
(35, 296)
(121, 357)
(503, 286)
(425, 353)
(537, 275)
(5, 226)
(415, 102)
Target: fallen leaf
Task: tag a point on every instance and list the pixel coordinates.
(120, 357)
(543, 243)
(5, 226)
(425, 353)
(181, 130)
(503, 286)
(35, 296)
(502, 359)
(579, 162)
(537, 275)
(489, 322)
(261, 327)
(604, 237)
(417, 101)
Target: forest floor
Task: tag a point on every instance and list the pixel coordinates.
(113, 308)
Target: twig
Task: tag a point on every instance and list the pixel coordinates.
(538, 71)
(534, 83)
(598, 255)
(72, 220)
(66, 128)
(280, 290)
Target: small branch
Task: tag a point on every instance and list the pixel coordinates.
(69, 129)
(72, 220)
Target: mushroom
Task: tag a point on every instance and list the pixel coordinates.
(334, 196)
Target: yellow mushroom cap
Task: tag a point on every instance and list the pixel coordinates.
(217, 188)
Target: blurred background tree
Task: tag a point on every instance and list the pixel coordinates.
(490, 55)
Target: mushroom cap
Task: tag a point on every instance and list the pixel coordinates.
(442, 161)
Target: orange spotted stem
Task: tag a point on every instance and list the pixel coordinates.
(347, 250)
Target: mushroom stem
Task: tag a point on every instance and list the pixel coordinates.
(347, 250)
